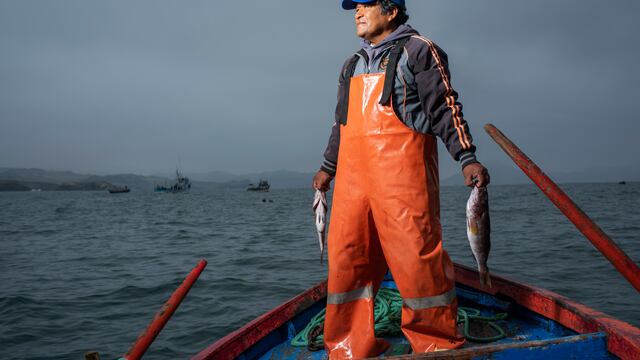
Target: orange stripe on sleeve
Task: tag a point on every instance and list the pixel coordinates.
(451, 102)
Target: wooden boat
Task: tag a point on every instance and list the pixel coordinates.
(540, 325)
(263, 185)
(182, 184)
(119, 190)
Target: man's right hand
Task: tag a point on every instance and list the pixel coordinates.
(322, 181)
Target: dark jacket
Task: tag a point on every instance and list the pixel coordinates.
(422, 96)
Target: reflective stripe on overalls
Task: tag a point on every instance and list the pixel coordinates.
(386, 211)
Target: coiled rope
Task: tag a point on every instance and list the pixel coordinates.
(387, 313)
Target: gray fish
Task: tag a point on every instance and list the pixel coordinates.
(320, 210)
(479, 231)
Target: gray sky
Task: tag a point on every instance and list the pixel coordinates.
(242, 86)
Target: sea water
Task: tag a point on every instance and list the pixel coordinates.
(87, 271)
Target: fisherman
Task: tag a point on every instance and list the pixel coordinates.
(394, 98)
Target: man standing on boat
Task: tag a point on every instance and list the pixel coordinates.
(394, 98)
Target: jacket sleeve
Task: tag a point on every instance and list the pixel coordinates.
(440, 102)
(330, 162)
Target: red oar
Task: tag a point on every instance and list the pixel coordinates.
(598, 238)
(146, 338)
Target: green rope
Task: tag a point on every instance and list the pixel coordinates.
(466, 314)
(302, 338)
(387, 313)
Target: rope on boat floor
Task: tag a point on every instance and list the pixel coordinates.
(387, 314)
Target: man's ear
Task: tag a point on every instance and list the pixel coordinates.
(393, 14)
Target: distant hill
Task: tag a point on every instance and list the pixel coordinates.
(216, 176)
(11, 185)
(17, 185)
(132, 181)
(279, 179)
(12, 179)
(85, 186)
(39, 175)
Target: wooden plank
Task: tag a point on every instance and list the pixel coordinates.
(600, 240)
(623, 338)
(584, 347)
(161, 318)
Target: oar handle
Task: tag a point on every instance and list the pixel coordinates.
(146, 338)
(598, 238)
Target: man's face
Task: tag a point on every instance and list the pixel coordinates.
(370, 23)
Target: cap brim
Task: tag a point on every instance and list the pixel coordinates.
(351, 4)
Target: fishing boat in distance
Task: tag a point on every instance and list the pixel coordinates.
(119, 190)
(263, 185)
(182, 184)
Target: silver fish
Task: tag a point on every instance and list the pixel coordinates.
(320, 209)
(479, 231)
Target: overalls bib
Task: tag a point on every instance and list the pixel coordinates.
(386, 210)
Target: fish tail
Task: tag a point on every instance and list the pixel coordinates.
(485, 278)
(322, 246)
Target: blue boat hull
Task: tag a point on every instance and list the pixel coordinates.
(540, 325)
(529, 337)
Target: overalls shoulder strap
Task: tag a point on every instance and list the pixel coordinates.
(390, 72)
(349, 69)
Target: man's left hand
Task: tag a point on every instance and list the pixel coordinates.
(475, 175)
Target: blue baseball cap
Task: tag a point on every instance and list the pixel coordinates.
(351, 4)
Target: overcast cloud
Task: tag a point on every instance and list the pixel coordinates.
(243, 86)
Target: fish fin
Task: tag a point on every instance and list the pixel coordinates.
(322, 247)
(472, 225)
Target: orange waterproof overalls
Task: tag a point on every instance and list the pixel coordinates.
(386, 210)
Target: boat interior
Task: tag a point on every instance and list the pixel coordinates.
(527, 335)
